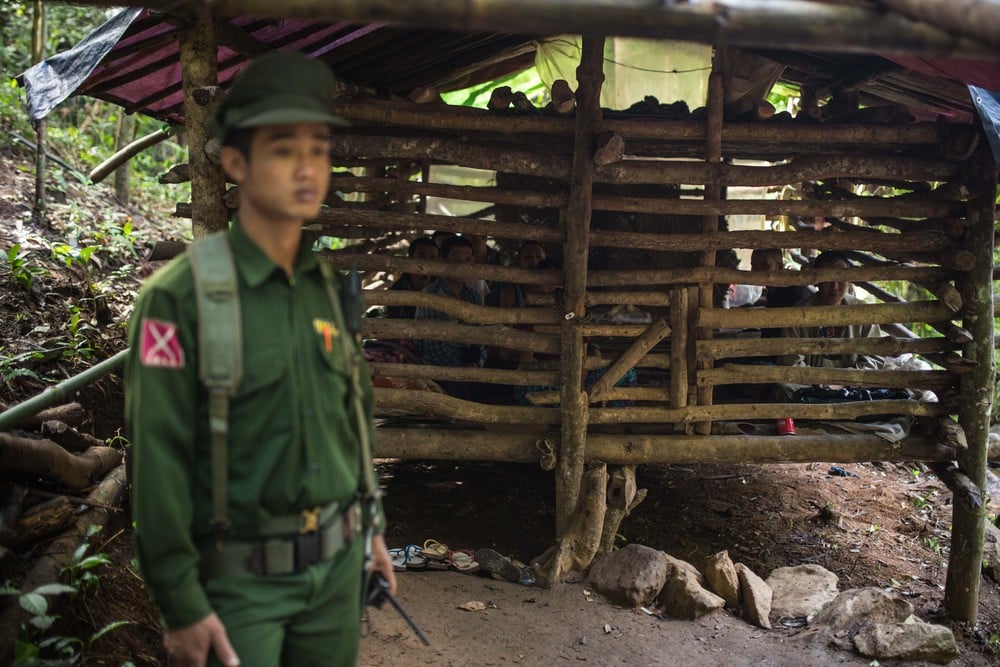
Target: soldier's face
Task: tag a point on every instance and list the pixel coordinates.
(287, 174)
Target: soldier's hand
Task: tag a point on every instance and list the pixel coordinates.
(189, 647)
(382, 562)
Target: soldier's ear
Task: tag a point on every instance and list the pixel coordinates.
(233, 163)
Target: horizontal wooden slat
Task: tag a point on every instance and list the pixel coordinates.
(752, 374)
(803, 316)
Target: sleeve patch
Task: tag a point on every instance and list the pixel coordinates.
(160, 346)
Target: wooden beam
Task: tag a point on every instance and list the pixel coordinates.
(455, 332)
(427, 404)
(723, 276)
(643, 343)
(852, 377)
(886, 346)
(788, 24)
(977, 19)
(766, 411)
(465, 374)
(797, 316)
(461, 310)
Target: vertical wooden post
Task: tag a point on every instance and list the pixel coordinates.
(123, 137)
(38, 39)
(199, 68)
(678, 348)
(710, 223)
(576, 223)
(961, 597)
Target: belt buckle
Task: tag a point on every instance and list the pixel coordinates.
(310, 520)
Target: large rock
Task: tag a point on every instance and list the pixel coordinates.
(630, 576)
(907, 641)
(756, 597)
(722, 578)
(801, 591)
(684, 595)
(991, 552)
(852, 610)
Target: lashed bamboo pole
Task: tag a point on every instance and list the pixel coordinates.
(529, 162)
(405, 114)
(792, 24)
(465, 374)
(755, 374)
(746, 411)
(885, 346)
(798, 316)
(523, 447)
(461, 310)
(424, 404)
(643, 343)
(455, 332)
(964, 562)
(575, 220)
(880, 206)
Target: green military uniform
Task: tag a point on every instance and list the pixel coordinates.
(293, 444)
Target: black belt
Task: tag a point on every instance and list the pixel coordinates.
(321, 533)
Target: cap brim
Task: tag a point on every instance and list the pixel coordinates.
(286, 116)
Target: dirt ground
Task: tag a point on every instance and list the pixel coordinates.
(886, 525)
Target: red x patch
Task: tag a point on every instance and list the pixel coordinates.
(159, 346)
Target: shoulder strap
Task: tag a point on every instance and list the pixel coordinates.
(220, 353)
(353, 361)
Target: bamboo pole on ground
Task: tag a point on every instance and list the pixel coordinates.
(199, 68)
(965, 560)
(575, 220)
(710, 223)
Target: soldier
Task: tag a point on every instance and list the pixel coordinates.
(258, 560)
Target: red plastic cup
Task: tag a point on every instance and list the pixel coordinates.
(786, 426)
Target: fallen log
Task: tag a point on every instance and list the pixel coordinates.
(70, 413)
(58, 554)
(45, 519)
(68, 437)
(44, 458)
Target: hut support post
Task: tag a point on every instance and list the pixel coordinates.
(199, 68)
(576, 224)
(964, 564)
(710, 223)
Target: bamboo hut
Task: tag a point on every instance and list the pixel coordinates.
(637, 206)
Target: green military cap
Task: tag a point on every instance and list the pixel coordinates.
(275, 89)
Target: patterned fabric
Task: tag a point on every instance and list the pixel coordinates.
(441, 353)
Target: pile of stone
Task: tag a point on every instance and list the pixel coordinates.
(870, 621)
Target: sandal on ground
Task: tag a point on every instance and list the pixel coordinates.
(415, 559)
(434, 550)
(462, 560)
(398, 557)
(493, 562)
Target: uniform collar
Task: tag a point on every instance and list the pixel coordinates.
(255, 266)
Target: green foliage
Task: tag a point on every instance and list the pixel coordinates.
(80, 571)
(526, 81)
(993, 644)
(22, 273)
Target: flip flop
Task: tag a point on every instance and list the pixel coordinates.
(398, 557)
(462, 560)
(435, 550)
(414, 557)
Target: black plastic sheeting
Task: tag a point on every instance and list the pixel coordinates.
(51, 81)
(987, 103)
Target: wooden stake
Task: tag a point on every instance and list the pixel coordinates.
(576, 225)
(656, 332)
(679, 316)
(961, 599)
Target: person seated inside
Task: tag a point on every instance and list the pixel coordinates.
(420, 248)
(512, 295)
(769, 259)
(455, 250)
(833, 294)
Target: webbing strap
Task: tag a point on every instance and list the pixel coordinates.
(369, 482)
(220, 353)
